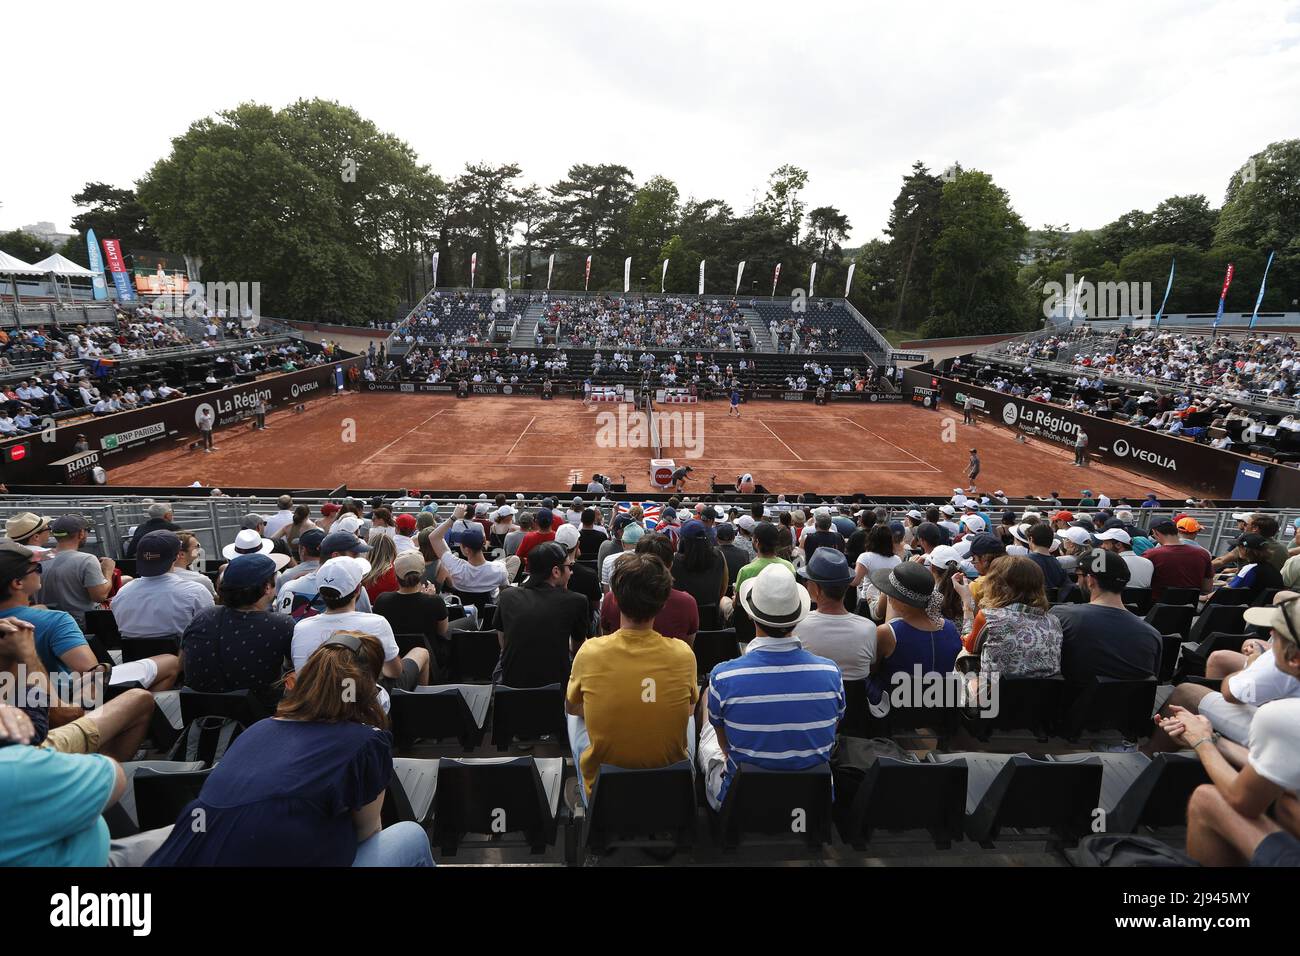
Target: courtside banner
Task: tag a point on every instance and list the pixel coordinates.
(96, 266)
(1179, 461)
(117, 266)
(128, 436)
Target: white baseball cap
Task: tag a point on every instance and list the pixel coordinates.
(1075, 535)
(973, 523)
(916, 515)
(349, 523)
(746, 522)
(506, 511)
(567, 536)
(1115, 534)
(942, 556)
(1242, 516)
(344, 574)
(482, 508)
(949, 510)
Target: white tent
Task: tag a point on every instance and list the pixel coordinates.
(58, 265)
(12, 267)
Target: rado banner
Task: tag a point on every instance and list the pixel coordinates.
(127, 436)
(1209, 471)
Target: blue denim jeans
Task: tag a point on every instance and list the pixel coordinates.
(402, 844)
(580, 740)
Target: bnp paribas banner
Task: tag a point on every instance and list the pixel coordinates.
(117, 268)
(96, 266)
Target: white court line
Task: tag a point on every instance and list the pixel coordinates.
(778, 438)
(888, 442)
(891, 471)
(401, 436)
(522, 434)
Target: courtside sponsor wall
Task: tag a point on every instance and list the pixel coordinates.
(127, 436)
(1181, 462)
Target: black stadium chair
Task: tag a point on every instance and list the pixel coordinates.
(896, 795)
(1016, 791)
(1139, 598)
(713, 648)
(432, 713)
(101, 623)
(1022, 703)
(138, 648)
(858, 721)
(1195, 656)
(474, 656)
(1171, 647)
(1171, 618)
(494, 798)
(1189, 596)
(161, 796)
(238, 705)
(1229, 597)
(774, 802)
(1137, 791)
(1227, 619)
(1106, 704)
(640, 808)
(527, 713)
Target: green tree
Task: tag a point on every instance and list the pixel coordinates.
(652, 220)
(827, 228)
(1262, 205)
(977, 255)
(1182, 220)
(114, 214)
(913, 229)
(781, 201)
(24, 246)
(312, 201)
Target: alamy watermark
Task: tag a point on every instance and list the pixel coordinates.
(636, 429)
(209, 300)
(1096, 300)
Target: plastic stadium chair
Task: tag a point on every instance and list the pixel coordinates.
(1171, 618)
(138, 648)
(1189, 596)
(1105, 704)
(1195, 656)
(101, 623)
(1229, 597)
(858, 720)
(1137, 791)
(436, 713)
(1022, 703)
(1140, 598)
(238, 705)
(1221, 618)
(1171, 646)
(713, 648)
(129, 770)
(495, 797)
(527, 713)
(474, 656)
(160, 796)
(641, 808)
(897, 795)
(1016, 791)
(792, 803)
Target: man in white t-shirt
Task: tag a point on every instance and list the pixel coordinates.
(831, 631)
(1227, 820)
(339, 581)
(281, 518)
(474, 573)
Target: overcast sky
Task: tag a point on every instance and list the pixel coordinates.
(1081, 111)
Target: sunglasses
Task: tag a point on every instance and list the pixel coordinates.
(1291, 634)
(34, 569)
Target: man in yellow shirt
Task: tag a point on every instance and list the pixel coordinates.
(631, 693)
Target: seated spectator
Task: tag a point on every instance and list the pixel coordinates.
(831, 631)
(541, 624)
(308, 550)
(158, 603)
(290, 530)
(700, 570)
(1255, 571)
(582, 580)
(417, 608)
(73, 580)
(612, 719)
(1228, 823)
(383, 552)
(250, 541)
(777, 706)
(1119, 540)
(1012, 632)
(157, 518)
(339, 583)
(52, 803)
(240, 644)
(679, 617)
(307, 787)
(473, 574)
(1103, 638)
(735, 555)
(187, 555)
(1055, 580)
(878, 555)
(300, 597)
(29, 530)
(631, 535)
(910, 643)
(590, 537)
(510, 543)
(543, 532)
(1177, 564)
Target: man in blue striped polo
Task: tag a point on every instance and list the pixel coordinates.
(776, 706)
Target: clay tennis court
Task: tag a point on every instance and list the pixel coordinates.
(436, 442)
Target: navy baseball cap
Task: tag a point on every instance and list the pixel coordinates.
(311, 539)
(156, 553)
(248, 571)
(986, 544)
(544, 518)
(726, 532)
(471, 538)
(694, 529)
(342, 542)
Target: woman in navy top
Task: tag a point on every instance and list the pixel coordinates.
(305, 788)
(910, 637)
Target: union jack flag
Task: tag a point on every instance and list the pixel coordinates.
(650, 508)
